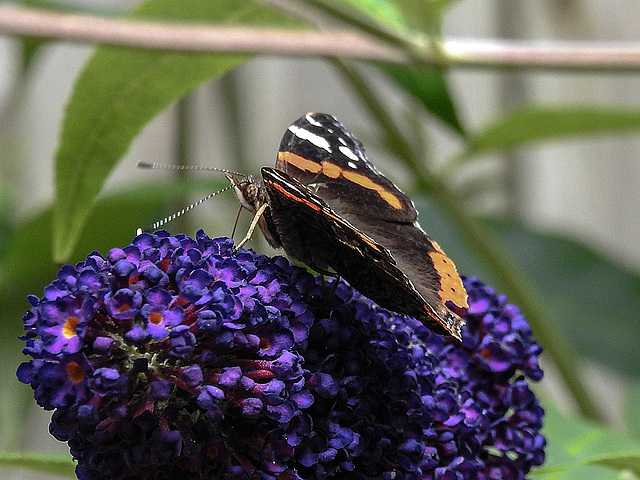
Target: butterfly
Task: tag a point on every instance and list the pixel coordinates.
(328, 206)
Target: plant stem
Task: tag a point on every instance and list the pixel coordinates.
(182, 153)
(487, 249)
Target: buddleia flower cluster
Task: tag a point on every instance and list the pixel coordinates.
(178, 358)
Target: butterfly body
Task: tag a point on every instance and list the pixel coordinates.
(326, 205)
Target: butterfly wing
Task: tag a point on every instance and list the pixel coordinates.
(311, 231)
(431, 271)
(319, 152)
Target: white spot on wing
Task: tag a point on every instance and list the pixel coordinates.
(347, 152)
(352, 165)
(312, 120)
(417, 225)
(316, 140)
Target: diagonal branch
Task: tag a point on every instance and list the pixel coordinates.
(83, 28)
(556, 55)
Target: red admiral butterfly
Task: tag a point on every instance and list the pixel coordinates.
(328, 206)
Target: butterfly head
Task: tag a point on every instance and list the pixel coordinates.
(249, 190)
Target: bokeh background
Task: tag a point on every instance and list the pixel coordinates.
(585, 190)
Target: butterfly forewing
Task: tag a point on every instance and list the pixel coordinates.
(317, 150)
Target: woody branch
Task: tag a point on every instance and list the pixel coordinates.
(23, 21)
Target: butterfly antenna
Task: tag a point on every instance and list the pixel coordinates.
(179, 213)
(166, 166)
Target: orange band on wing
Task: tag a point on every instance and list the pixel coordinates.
(299, 162)
(451, 287)
(295, 198)
(366, 182)
(332, 170)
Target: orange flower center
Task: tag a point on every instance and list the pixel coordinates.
(74, 372)
(124, 308)
(155, 318)
(70, 327)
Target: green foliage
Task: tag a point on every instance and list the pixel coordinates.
(380, 11)
(593, 303)
(120, 90)
(429, 87)
(574, 443)
(39, 462)
(584, 291)
(631, 412)
(530, 124)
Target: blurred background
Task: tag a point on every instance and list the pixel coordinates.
(585, 190)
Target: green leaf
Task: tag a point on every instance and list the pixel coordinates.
(631, 410)
(406, 17)
(15, 398)
(425, 15)
(531, 124)
(580, 472)
(384, 13)
(122, 89)
(380, 23)
(574, 442)
(442, 5)
(25, 267)
(39, 462)
(430, 88)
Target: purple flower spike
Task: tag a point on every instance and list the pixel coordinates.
(179, 358)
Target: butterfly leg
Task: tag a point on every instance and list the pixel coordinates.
(332, 291)
(334, 286)
(252, 227)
